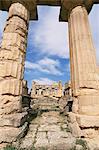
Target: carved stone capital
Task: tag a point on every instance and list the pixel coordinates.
(68, 5)
(29, 4)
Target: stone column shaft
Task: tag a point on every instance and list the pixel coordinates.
(12, 58)
(83, 62)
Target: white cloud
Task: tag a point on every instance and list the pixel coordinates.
(44, 81)
(50, 35)
(45, 65)
(30, 65)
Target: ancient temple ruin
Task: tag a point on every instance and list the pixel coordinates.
(84, 81)
(54, 90)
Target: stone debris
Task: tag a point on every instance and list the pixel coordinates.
(49, 129)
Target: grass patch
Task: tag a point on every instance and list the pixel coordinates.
(82, 143)
(42, 148)
(33, 148)
(9, 147)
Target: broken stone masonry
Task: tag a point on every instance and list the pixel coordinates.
(83, 120)
(54, 90)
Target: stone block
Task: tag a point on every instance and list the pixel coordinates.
(16, 40)
(88, 121)
(8, 134)
(39, 141)
(71, 117)
(60, 141)
(15, 25)
(14, 37)
(14, 120)
(76, 131)
(11, 87)
(91, 110)
(89, 104)
(10, 104)
(46, 128)
(12, 54)
(17, 9)
(27, 142)
(14, 70)
(3, 145)
(88, 99)
(11, 134)
(93, 143)
(90, 133)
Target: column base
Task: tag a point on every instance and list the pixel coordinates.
(83, 125)
(13, 119)
(88, 105)
(10, 104)
(9, 135)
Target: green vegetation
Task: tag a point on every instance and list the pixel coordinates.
(9, 147)
(42, 148)
(82, 143)
(33, 148)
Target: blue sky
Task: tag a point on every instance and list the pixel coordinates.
(47, 58)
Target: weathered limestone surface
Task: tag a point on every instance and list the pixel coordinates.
(88, 121)
(85, 83)
(66, 6)
(49, 130)
(54, 90)
(13, 120)
(83, 60)
(12, 57)
(12, 54)
(29, 4)
(84, 78)
(12, 134)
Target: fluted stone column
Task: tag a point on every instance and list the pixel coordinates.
(12, 58)
(85, 83)
(82, 52)
(84, 78)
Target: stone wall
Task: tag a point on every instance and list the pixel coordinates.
(54, 90)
